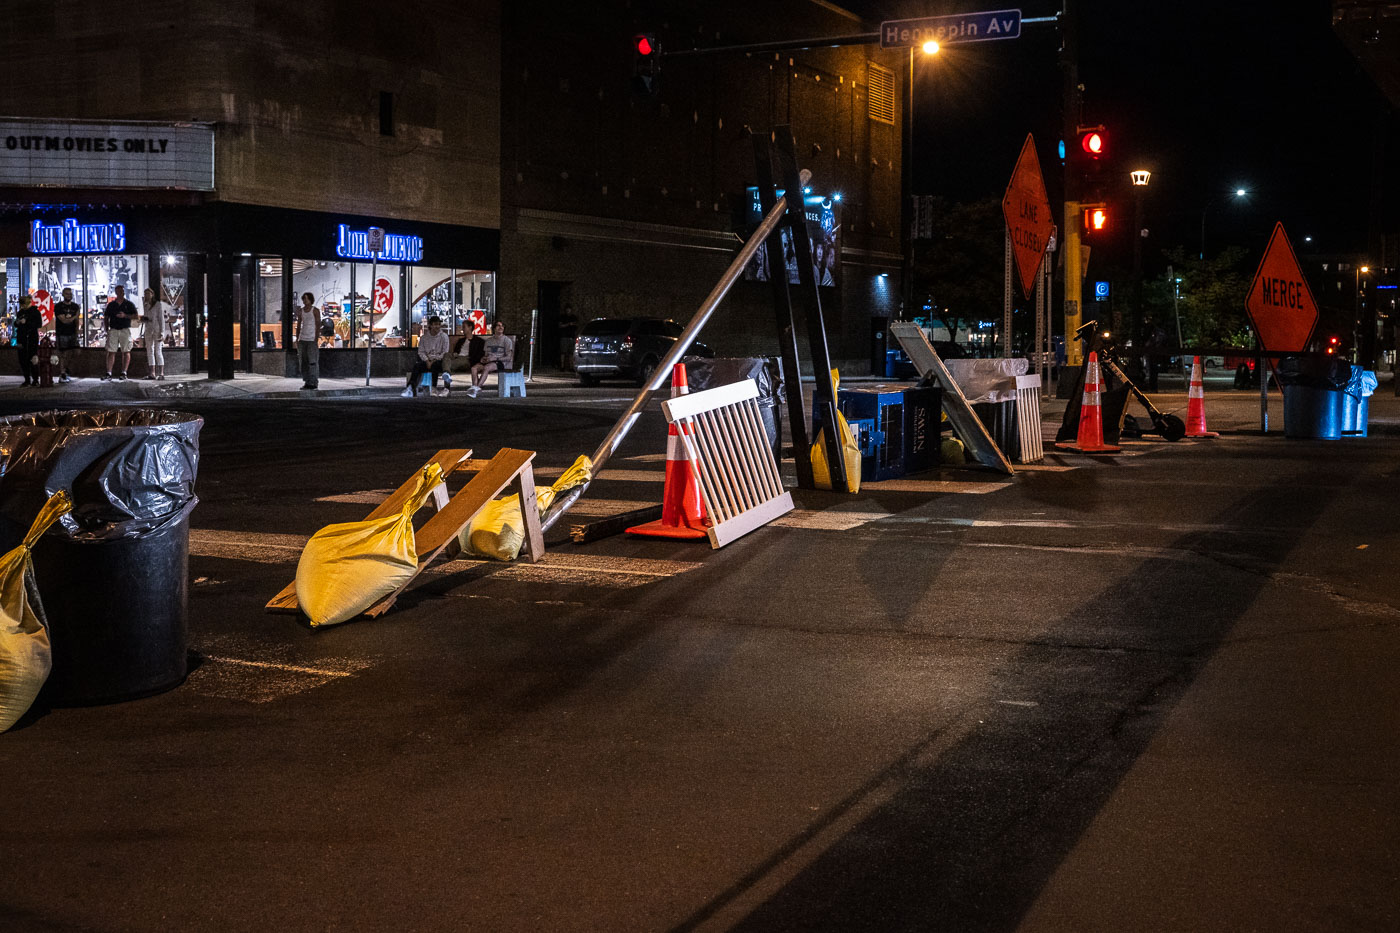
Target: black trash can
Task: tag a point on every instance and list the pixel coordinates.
(711, 372)
(1313, 403)
(113, 573)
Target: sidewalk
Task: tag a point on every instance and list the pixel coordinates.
(255, 385)
(1227, 409)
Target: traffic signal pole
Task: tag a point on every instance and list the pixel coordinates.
(1073, 234)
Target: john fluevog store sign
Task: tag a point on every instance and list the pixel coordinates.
(82, 154)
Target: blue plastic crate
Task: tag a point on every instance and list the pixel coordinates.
(881, 410)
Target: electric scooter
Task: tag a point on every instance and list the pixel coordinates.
(1168, 426)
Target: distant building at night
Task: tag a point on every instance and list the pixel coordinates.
(233, 157)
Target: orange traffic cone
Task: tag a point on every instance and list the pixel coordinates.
(1090, 440)
(1196, 404)
(682, 512)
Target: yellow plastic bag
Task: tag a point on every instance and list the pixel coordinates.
(498, 531)
(347, 568)
(25, 657)
(850, 450)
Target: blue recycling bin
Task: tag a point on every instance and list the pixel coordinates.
(1356, 402)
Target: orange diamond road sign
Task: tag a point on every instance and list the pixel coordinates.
(1280, 303)
(1027, 211)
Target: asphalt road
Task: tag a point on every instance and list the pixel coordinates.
(1153, 692)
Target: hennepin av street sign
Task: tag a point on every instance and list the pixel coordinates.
(959, 27)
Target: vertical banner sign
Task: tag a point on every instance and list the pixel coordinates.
(44, 301)
(383, 296)
(1026, 208)
(1280, 303)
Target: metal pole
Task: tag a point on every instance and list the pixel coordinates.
(1048, 358)
(1006, 302)
(1038, 355)
(1176, 304)
(373, 284)
(1263, 389)
(663, 370)
(534, 319)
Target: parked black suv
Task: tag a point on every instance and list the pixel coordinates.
(626, 348)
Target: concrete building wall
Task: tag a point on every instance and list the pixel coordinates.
(294, 89)
(632, 202)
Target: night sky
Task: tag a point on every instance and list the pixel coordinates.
(1209, 96)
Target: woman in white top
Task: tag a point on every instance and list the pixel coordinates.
(156, 324)
(500, 354)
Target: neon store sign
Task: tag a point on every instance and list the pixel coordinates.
(72, 237)
(354, 244)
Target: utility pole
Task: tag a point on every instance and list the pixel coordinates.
(1074, 266)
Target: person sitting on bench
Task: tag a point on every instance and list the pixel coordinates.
(432, 348)
(500, 355)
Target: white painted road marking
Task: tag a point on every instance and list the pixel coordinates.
(596, 570)
(263, 679)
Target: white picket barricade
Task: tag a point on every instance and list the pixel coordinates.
(1028, 418)
(724, 437)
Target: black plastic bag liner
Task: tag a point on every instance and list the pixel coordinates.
(130, 471)
(1314, 372)
(766, 371)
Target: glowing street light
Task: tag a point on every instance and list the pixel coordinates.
(931, 47)
(1140, 177)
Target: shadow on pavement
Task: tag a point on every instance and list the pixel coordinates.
(968, 840)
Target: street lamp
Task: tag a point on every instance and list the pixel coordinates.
(1140, 178)
(1364, 332)
(1239, 193)
(907, 181)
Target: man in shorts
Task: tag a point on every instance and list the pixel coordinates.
(66, 315)
(118, 316)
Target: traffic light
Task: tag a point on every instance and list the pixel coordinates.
(646, 62)
(1093, 141)
(1095, 219)
(1333, 344)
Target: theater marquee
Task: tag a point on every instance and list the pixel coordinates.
(85, 154)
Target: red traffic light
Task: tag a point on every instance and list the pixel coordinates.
(1093, 140)
(644, 44)
(1096, 219)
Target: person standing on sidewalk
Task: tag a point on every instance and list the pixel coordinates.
(28, 320)
(156, 322)
(308, 350)
(66, 314)
(118, 316)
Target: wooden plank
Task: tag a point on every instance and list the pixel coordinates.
(964, 420)
(612, 525)
(450, 460)
(441, 531)
(533, 546)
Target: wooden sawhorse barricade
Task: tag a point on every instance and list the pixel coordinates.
(510, 468)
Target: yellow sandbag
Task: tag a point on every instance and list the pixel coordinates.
(850, 450)
(347, 568)
(25, 658)
(498, 531)
(951, 452)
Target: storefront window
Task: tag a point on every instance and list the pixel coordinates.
(267, 302)
(433, 295)
(104, 274)
(174, 291)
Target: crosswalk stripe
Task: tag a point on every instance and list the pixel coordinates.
(827, 519)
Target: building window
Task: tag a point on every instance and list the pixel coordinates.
(881, 93)
(386, 113)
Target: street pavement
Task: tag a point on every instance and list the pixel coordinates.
(1152, 691)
